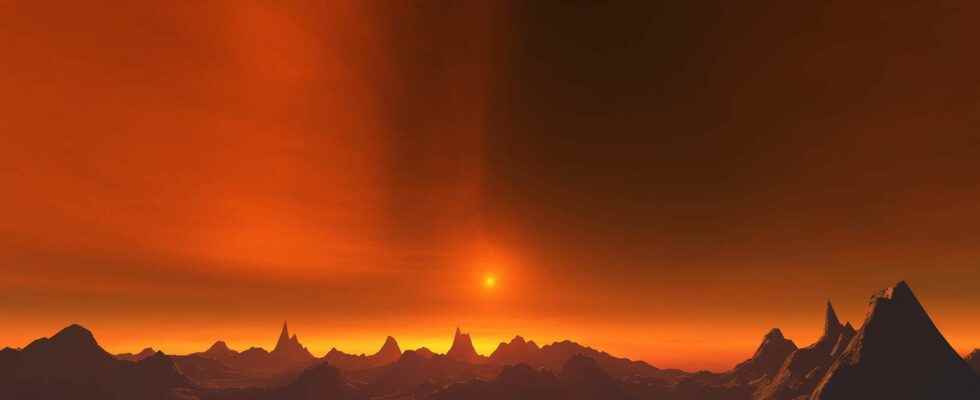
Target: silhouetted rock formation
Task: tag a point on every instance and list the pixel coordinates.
(389, 353)
(147, 352)
(219, 351)
(555, 355)
(802, 370)
(767, 360)
(974, 360)
(289, 350)
(71, 364)
(252, 367)
(898, 354)
(462, 349)
(424, 352)
(516, 352)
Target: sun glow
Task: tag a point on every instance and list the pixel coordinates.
(490, 281)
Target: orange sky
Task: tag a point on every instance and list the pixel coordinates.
(664, 183)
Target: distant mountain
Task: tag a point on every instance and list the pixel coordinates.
(974, 360)
(147, 352)
(898, 354)
(463, 350)
(252, 367)
(801, 371)
(219, 351)
(767, 360)
(289, 351)
(71, 364)
(516, 352)
(424, 352)
(389, 353)
(555, 355)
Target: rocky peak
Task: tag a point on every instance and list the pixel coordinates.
(768, 357)
(462, 348)
(898, 353)
(390, 350)
(831, 326)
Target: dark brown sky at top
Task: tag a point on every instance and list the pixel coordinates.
(663, 181)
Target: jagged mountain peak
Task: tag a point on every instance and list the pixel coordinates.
(898, 353)
(462, 348)
(832, 325)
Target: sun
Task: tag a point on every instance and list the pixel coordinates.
(490, 281)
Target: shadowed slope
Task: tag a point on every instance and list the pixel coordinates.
(802, 370)
(555, 355)
(974, 360)
(767, 360)
(898, 354)
(71, 364)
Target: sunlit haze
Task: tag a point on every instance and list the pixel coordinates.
(664, 182)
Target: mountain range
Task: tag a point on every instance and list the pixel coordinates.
(897, 353)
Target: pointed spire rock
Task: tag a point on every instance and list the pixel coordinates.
(831, 325)
(284, 335)
(289, 348)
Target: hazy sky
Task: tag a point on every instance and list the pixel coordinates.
(665, 182)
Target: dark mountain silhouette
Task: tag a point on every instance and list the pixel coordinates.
(804, 367)
(256, 365)
(767, 360)
(974, 360)
(555, 355)
(898, 354)
(219, 351)
(516, 352)
(389, 353)
(147, 352)
(71, 364)
(289, 351)
(462, 349)
(252, 367)
(424, 352)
